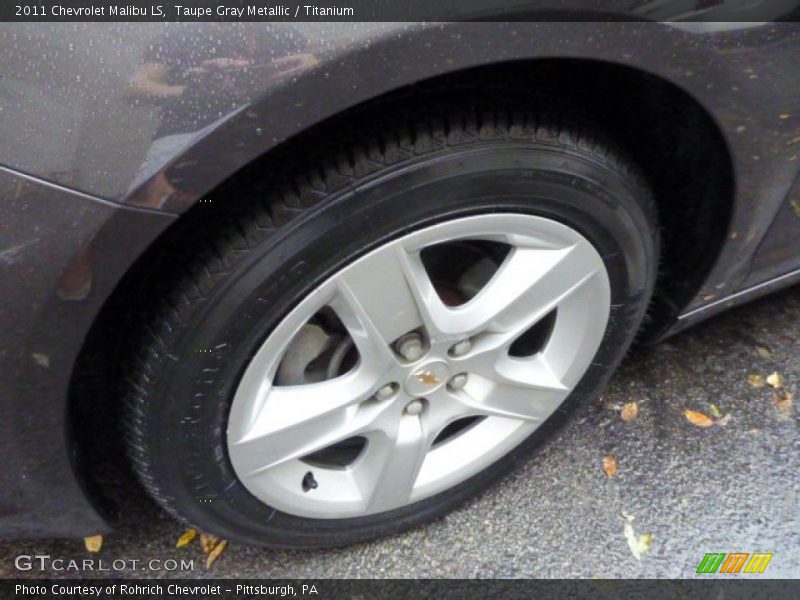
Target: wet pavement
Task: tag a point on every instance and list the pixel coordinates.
(730, 487)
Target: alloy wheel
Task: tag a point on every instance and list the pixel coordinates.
(418, 365)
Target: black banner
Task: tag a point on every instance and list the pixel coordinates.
(395, 10)
(326, 589)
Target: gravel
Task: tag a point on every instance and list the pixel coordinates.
(731, 487)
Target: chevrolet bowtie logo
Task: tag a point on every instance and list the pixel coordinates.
(427, 377)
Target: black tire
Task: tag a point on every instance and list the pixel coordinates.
(239, 275)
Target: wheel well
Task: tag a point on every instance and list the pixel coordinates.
(659, 126)
(674, 141)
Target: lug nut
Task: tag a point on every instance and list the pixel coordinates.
(410, 347)
(457, 381)
(386, 391)
(461, 347)
(414, 407)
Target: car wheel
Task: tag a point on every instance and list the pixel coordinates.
(365, 348)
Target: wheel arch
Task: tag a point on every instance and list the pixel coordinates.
(672, 135)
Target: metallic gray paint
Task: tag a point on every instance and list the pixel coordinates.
(43, 228)
(69, 116)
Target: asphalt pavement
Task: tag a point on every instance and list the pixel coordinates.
(733, 486)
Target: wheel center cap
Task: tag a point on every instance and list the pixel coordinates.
(427, 378)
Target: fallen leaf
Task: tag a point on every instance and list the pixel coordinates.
(630, 411)
(208, 542)
(609, 466)
(639, 545)
(186, 537)
(715, 411)
(775, 380)
(783, 402)
(783, 397)
(757, 381)
(645, 542)
(724, 420)
(215, 552)
(763, 352)
(93, 543)
(697, 418)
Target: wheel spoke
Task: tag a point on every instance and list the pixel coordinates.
(533, 372)
(432, 311)
(570, 284)
(445, 406)
(378, 300)
(546, 278)
(294, 421)
(485, 397)
(389, 468)
(528, 285)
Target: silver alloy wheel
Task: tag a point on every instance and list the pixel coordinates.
(400, 407)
